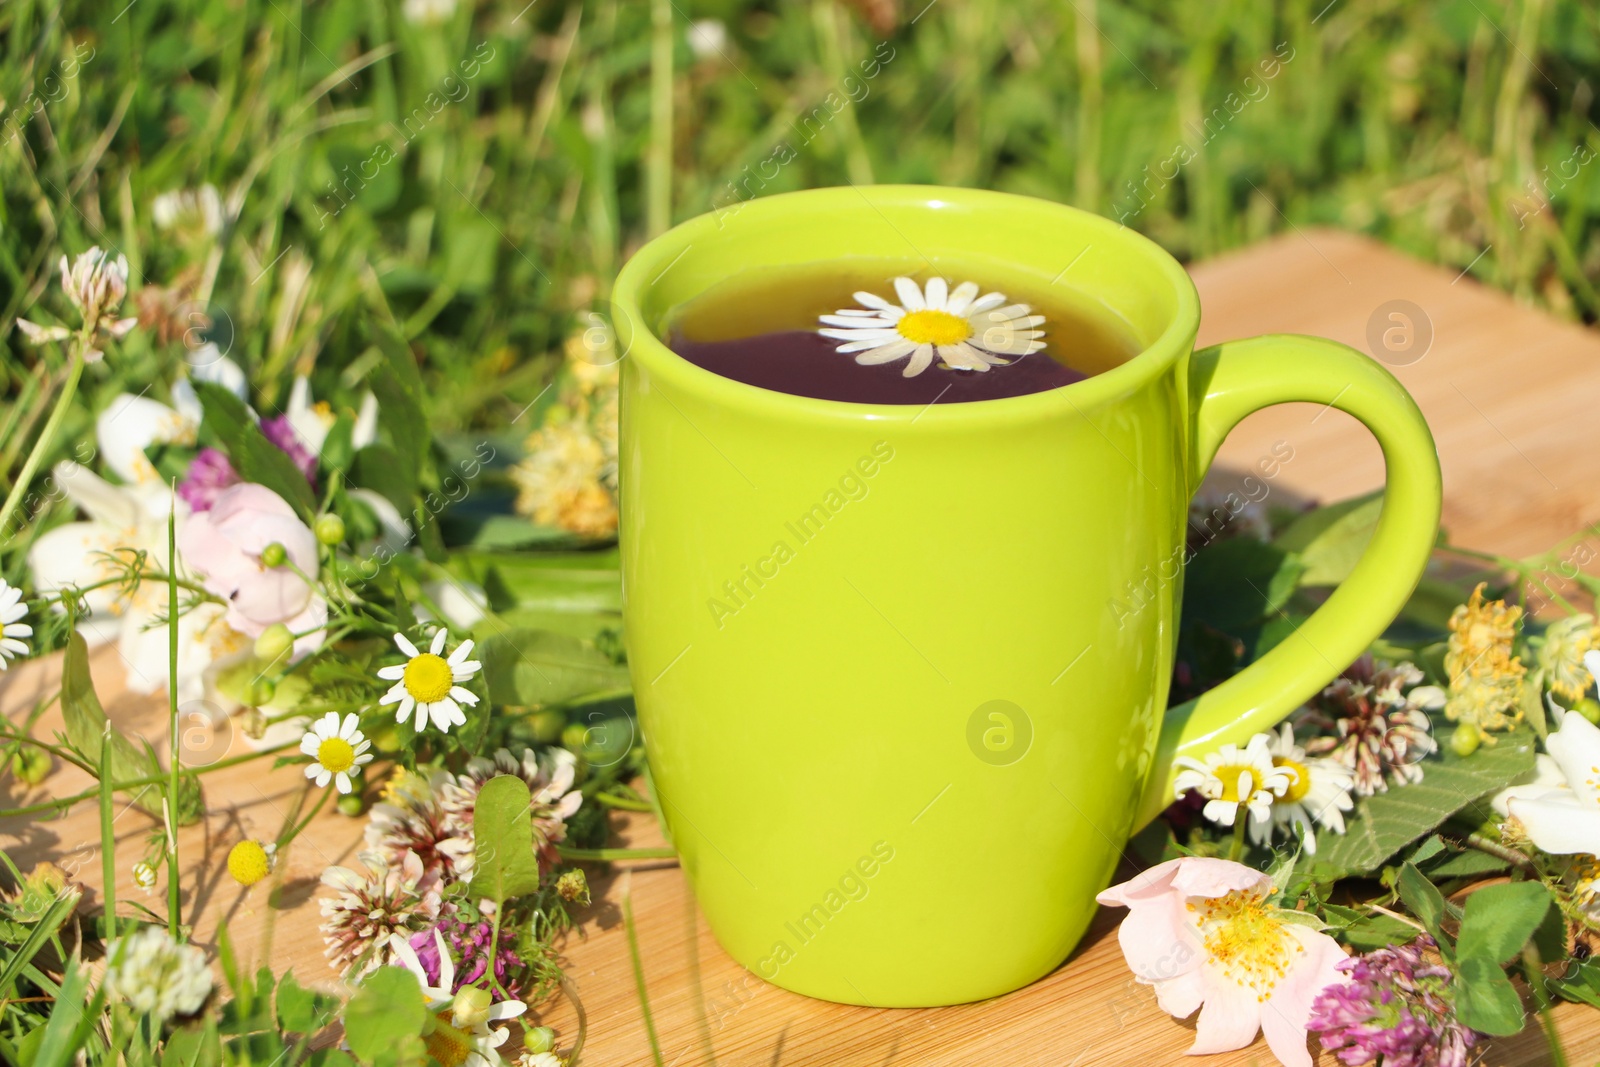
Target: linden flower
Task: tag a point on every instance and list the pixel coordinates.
(1561, 655)
(427, 683)
(1320, 793)
(1485, 678)
(251, 861)
(1232, 777)
(1202, 932)
(12, 630)
(337, 751)
(563, 480)
(461, 1033)
(964, 330)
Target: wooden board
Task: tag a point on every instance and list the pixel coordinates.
(1511, 396)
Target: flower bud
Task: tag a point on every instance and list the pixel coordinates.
(547, 725)
(350, 804)
(30, 765)
(1589, 708)
(539, 1039)
(329, 529)
(274, 643)
(470, 1008)
(253, 723)
(274, 555)
(573, 886)
(144, 875)
(1465, 740)
(261, 691)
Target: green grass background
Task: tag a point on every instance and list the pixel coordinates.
(506, 192)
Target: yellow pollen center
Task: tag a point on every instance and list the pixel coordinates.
(447, 1045)
(335, 754)
(1244, 938)
(247, 862)
(929, 327)
(427, 678)
(1229, 774)
(1302, 780)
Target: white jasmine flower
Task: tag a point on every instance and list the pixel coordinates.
(1320, 793)
(1558, 803)
(12, 628)
(964, 330)
(157, 976)
(428, 684)
(337, 750)
(467, 1039)
(1234, 777)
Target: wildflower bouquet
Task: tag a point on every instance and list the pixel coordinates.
(307, 576)
(1406, 868)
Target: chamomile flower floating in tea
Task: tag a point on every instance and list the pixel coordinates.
(963, 330)
(427, 683)
(337, 750)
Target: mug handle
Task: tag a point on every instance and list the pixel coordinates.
(1228, 382)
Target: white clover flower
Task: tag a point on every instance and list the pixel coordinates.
(156, 976)
(12, 628)
(427, 683)
(95, 284)
(189, 209)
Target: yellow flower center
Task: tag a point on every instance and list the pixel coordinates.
(929, 327)
(447, 1045)
(1246, 939)
(427, 678)
(248, 863)
(335, 754)
(1230, 774)
(1302, 780)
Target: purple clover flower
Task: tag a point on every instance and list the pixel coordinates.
(469, 944)
(208, 475)
(1395, 1005)
(279, 432)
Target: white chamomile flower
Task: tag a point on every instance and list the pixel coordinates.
(144, 875)
(1320, 793)
(337, 750)
(1234, 777)
(12, 630)
(462, 1034)
(427, 683)
(964, 330)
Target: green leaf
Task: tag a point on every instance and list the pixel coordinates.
(252, 455)
(1386, 822)
(1330, 540)
(1234, 584)
(1497, 921)
(1464, 863)
(1485, 998)
(528, 668)
(504, 862)
(1366, 932)
(387, 1006)
(86, 725)
(76, 1011)
(1580, 983)
(1425, 902)
(301, 1010)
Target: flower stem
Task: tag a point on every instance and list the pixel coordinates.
(108, 838)
(1499, 851)
(294, 832)
(61, 803)
(46, 439)
(606, 855)
(173, 761)
(1236, 849)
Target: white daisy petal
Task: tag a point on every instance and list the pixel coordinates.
(887, 353)
(392, 674)
(406, 646)
(921, 358)
(937, 293)
(465, 696)
(872, 340)
(875, 302)
(910, 295)
(438, 643)
(985, 303)
(960, 299)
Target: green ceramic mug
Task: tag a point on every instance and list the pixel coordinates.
(899, 719)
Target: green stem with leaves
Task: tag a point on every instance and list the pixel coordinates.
(47, 437)
(174, 763)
